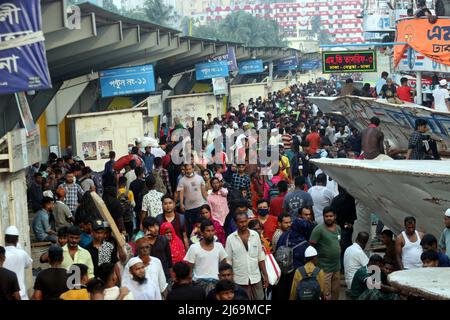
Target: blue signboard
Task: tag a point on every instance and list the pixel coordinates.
(126, 81)
(310, 64)
(289, 63)
(230, 56)
(24, 67)
(251, 66)
(209, 70)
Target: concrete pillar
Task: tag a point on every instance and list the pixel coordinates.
(61, 104)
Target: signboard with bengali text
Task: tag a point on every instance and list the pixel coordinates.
(209, 70)
(127, 81)
(349, 61)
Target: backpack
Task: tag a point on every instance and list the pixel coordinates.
(309, 287)
(273, 190)
(285, 256)
(159, 183)
(127, 208)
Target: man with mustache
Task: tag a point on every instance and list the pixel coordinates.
(205, 256)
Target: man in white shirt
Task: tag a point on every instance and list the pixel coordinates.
(441, 97)
(209, 135)
(246, 255)
(154, 271)
(205, 256)
(17, 260)
(330, 131)
(341, 134)
(381, 82)
(321, 196)
(355, 258)
(141, 287)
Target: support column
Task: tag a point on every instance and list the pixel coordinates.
(419, 87)
(61, 104)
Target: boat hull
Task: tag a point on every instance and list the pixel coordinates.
(395, 189)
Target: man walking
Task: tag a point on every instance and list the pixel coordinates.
(321, 197)
(74, 192)
(9, 290)
(74, 254)
(297, 199)
(246, 255)
(326, 239)
(192, 196)
(17, 260)
(205, 257)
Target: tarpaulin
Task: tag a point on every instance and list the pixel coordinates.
(431, 40)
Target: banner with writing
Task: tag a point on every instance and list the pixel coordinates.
(230, 57)
(127, 81)
(431, 40)
(349, 61)
(23, 63)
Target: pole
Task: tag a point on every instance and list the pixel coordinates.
(419, 87)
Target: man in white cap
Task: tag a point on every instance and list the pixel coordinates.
(444, 241)
(441, 97)
(275, 137)
(310, 269)
(139, 285)
(17, 260)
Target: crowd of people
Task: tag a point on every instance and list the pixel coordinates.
(216, 227)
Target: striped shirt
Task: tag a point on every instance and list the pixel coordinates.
(287, 141)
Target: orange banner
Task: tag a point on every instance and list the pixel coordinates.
(432, 40)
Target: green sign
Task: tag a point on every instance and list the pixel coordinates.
(349, 61)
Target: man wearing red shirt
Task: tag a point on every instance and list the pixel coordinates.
(270, 223)
(314, 141)
(405, 92)
(276, 204)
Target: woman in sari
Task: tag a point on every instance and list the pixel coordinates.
(205, 212)
(176, 245)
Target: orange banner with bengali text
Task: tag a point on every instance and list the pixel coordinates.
(431, 40)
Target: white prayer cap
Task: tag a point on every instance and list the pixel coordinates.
(310, 252)
(447, 213)
(274, 130)
(48, 193)
(133, 261)
(12, 231)
(443, 82)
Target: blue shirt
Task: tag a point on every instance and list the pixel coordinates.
(148, 161)
(85, 240)
(41, 225)
(109, 167)
(444, 261)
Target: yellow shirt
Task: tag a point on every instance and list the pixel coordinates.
(76, 294)
(286, 163)
(81, 256)
(130, 194)
(309, 267)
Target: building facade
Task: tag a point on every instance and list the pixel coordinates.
(342, 19)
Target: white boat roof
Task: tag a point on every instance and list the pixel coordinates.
(431, 283)
(416, 167)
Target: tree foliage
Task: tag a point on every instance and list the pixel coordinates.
(243, 27)
(158, 12)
